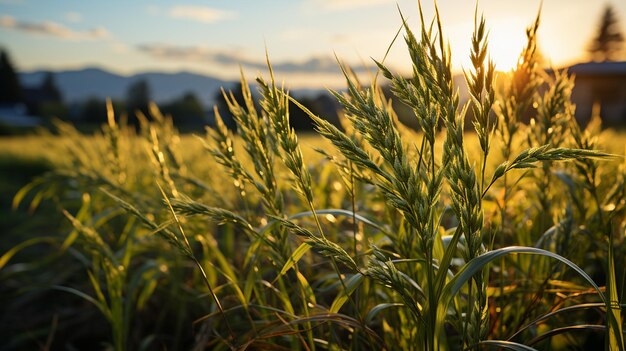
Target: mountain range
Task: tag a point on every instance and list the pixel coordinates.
(79, 85)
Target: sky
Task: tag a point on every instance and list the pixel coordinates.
(303, 38)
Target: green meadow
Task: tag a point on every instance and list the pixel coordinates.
(472, 231)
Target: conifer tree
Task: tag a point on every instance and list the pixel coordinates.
(10, 90)
(607, 44)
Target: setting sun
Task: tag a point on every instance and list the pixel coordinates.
(506, 40)
(507, 37)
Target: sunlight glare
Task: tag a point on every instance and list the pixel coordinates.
(507, 37)
(506, 41)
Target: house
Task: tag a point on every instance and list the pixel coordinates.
(16, 115)
(603, 83)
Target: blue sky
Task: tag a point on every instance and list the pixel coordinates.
(301, 36)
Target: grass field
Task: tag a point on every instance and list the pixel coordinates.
(374, 236)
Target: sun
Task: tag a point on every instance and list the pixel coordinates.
(506, 41)
(507, 37)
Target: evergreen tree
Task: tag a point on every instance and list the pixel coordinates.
(186, 110)
(10, 90)
(51, 103)
(49, 87)
(607, 44)
(137, 99)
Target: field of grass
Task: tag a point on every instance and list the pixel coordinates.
(372, 237)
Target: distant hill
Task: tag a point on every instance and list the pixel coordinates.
(78, 85)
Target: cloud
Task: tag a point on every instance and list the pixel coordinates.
(74, 17)
(6, 21)
(296, 34)
(201, 13)
(118, 47)
(53, 29)
(344, 5)
(321, 64)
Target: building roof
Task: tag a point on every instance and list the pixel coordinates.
(17, 116)
(598, 68)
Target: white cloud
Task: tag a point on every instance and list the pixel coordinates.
(297, 34)
(7, 22)
(343, 5)
(201, 13)
(53, 29)
(118, 47)
(74, 17)
(311, 65)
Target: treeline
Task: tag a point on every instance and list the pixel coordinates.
(187, 110)
(46, 101)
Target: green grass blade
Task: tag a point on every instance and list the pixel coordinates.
(4, 259)
(351, 284)
(479, 263)
(378, 309)
(553, 313)
(294, 258)
(613, 313)
(510, 345)
(21, 194)
(86, 297)
(340, 212)
(309, 294)
(569, 328)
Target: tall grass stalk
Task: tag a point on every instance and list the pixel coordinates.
(423, 240)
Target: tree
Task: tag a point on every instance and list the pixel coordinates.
(51, 100)
(50, 89)
(607, 44)
(93, 111)
(10, 90)
(137, 99)
(322, 105)
(186, 110)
